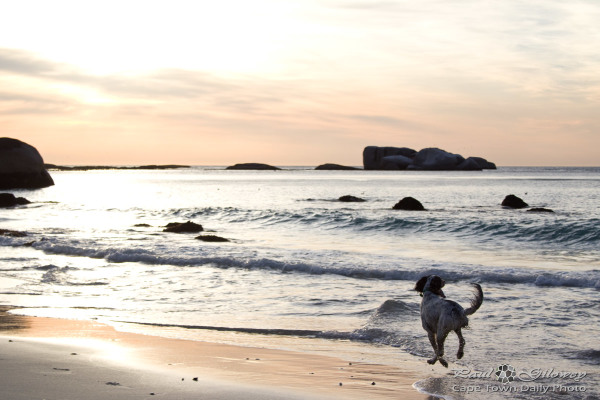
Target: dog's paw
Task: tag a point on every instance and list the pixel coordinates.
(444, 362)
(460, 354)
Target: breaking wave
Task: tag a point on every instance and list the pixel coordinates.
(587, 279)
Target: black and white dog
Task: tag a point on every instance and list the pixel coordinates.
(440, 316)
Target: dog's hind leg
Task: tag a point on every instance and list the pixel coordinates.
(461, 344)
(431, 336)
(441, 337)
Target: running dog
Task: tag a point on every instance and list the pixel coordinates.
(440, 316)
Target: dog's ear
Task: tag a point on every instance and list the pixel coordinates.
(436, 283)
(420, 285)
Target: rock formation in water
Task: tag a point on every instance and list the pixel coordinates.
(21, 166)
(253, 166)
(351, 199)
(513, 201)
(9, 200)
(409, 204)
(429, 159)
(183, 227)
(335, 167)
(212, 238)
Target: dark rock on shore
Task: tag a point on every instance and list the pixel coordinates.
(253, 166)
(212, 238)
(9, 200)
(21, 166)
(540, 210)
(185, 227)
(513, 201)
(428, 159)
(335, 167)
(351, 199)
(410, 204)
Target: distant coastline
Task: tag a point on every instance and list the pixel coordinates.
(53, 167)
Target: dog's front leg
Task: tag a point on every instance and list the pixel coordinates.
(433, 342)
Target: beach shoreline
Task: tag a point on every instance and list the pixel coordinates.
(65, 357)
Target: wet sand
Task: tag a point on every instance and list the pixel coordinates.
(67, 359)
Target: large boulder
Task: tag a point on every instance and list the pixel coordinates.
(400, 158)
(21, 166)
(436, 159)
(395, 162)
(373, 156)
(482, 162)
(512, 201)
(409, 204)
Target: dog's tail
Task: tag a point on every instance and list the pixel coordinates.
(476, 301)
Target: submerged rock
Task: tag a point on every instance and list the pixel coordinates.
(8, 232)
(21, 166)
(212, 238)
(9, 200)
(351, 199)
(513, 201)
(410, 204)
(540, 210)
(253, 166)
(185, 227)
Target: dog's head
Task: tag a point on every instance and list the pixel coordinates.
(431, 283)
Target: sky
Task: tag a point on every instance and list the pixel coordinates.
(301, 82)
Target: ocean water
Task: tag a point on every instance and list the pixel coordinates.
(304, 271)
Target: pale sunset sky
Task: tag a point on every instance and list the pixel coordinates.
(301, 82)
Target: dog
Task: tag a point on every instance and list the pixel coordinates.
(440, 316)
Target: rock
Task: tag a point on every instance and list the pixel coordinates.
(9, 200)
(7, 232)
(540, 210)
(400, 158)
(335, 167)
(513, 201)
(483, 163)
(212, 238)
(398, 162)
(469, 165)
(409, 203)
(142, 225)
(253, 166)
(351, 199)
(21, 166)
(436, 159)
(185, 227)
(373, 155)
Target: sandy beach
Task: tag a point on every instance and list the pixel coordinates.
(50, 358)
